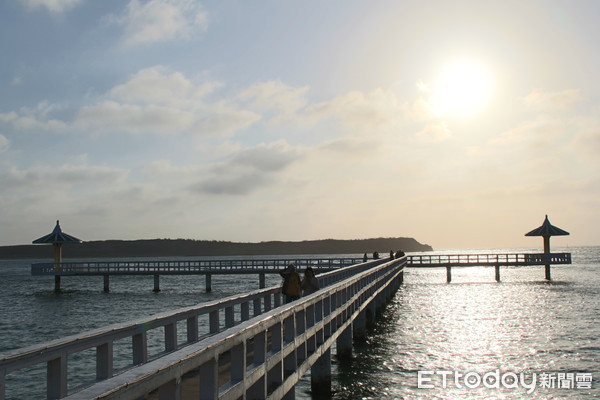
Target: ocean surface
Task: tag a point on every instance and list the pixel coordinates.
(431, 337)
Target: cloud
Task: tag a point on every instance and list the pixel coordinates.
(539, 128)
(159, 86)
(274, 96)
(249, 170)
(34, 118)
(67, 174)
(435, 132)
(55, 6)
(110, 116)
(376, 109)
(156, 21)
(4, 143)
(550, 100)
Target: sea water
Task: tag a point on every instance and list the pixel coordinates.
(431, 336)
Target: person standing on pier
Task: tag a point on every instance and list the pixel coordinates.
(291, 283)
(310, 283)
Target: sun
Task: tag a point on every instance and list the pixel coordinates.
(462, 89)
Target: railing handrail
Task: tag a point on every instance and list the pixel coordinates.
(17, 359)
(488, 259)
(258, 265)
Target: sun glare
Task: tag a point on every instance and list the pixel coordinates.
(462, 89)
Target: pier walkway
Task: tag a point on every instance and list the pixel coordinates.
(230, 352)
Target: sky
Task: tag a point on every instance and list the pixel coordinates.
(459, 123)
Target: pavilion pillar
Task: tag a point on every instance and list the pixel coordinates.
(547, 251)
(57, 269)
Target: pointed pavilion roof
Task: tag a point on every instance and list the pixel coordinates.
(57, 236)
(547, 229)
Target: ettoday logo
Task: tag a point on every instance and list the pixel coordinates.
(507, 380)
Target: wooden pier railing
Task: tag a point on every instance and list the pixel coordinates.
(184, 267)
(480, 260)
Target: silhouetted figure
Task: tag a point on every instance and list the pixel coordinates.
(399, 254)
(291, 283)
(310, 283)
(392, 254)
(376, 256)
(365, 258)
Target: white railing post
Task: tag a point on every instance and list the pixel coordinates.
(245, 311)
(170, 336)
(192, 329)
(275, 374)
(229, 317)
(213, 321)
(259, 352)
(104, 361)
(289, 331)
(238, 363)
(256, 305)
(209, 380)
(140, 348)
(57, 377)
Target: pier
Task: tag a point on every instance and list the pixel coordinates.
(208, 268)
(488, 260)
(229, 351)
(246, 346)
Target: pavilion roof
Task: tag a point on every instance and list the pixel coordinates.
(547, 229)
(57, 236)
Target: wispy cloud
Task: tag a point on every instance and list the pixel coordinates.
(559, 99)
(155, 21)
(55, 6)
(4, 143)
(249, 170)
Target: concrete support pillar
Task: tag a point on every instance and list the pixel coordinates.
(106, 283)
(548, 274)
(497, 267)
(320, 377)
(371, 313)
(359, 326)
(401, 277)
(57, 284)
(344, 344)
(448, 274)
(262, 280)
(156, 283)
(208, 282)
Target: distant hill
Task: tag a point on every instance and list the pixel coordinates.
(186, 247)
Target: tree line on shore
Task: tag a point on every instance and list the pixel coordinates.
(188, 247)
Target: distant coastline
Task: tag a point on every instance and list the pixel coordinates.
(188, 247)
